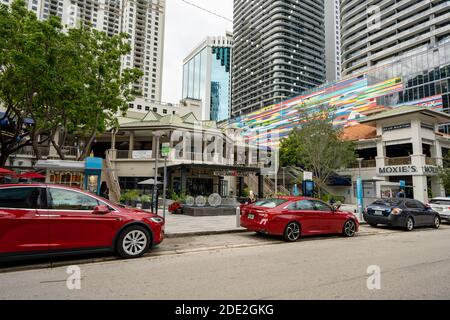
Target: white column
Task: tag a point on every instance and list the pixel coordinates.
(420, 188)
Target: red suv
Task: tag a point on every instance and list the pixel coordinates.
(43, 220)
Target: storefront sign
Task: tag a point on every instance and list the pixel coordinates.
(230, 173)
(397, 127)
(427, 126)
(407, 170)
(142, 154)
(307, 176)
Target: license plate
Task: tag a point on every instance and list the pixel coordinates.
(378, 213)
(251, 216)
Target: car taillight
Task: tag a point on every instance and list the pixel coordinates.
(396, 211)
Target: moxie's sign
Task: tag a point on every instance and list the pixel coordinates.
(408, 170)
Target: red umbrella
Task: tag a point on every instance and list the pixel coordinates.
(31, 175)
(5, 172)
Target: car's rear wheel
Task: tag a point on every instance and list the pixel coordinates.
(133, 242)
(409, 224)
(292, 232)
(437, 222)
(349, 228)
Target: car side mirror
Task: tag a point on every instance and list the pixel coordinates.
(336, 206)
(101, 210)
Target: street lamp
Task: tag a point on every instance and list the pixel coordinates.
(359, 190)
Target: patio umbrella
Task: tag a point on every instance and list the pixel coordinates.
(6, 172)
(149, 182)
(31, 175)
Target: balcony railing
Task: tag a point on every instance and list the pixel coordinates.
(364, 164)
(431, 161)
(400, 161)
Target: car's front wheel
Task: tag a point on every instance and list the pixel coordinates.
(133, 242)
(409, 224)
(292, 232)
(437, 222)
(349, 228)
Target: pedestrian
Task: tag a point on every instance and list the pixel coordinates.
(104, 191)
(251, 198)
(401, 194)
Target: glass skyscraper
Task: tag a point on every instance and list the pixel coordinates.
(207, 77)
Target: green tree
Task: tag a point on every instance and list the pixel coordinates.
(56, 82)
(23, 41)
(444, 173)
(90, 89)
(316, 146)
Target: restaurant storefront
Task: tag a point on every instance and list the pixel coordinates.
(398, 149)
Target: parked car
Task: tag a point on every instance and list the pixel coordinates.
(401, 212)
(442, 206)
(293, 217)
(49, 220)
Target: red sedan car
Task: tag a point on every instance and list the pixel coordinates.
(43, 220)
(292, 217)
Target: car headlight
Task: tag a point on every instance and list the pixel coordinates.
(157, 219)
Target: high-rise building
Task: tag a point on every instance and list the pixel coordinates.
(375, 34)
(143, 20)
(207, 77)
(332, 40)
(278, 51)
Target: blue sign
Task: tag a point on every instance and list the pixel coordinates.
(402, 184)
(359, 194)
(308, 188)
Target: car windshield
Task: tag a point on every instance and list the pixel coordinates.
(440, 201)
(269, 203)
(387, 202)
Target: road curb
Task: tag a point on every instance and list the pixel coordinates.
(203, 233)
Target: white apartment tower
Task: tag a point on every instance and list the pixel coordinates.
(332, 40)
(143, 20)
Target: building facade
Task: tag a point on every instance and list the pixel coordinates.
(332, 40)
(207, 77)
(399, 148)
(278, 51)
(143, 20)
(378, 32)
(422, 79)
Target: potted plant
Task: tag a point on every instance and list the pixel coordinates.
(134, 197)
(145, 199)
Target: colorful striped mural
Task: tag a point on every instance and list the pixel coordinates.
(350, 99)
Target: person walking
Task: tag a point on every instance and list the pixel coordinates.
(401, 194)
(251, 199)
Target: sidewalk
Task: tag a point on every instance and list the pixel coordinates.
(181, 225)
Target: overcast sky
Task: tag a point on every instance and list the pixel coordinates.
(186, 27)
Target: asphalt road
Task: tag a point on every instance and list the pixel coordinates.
(413, 265)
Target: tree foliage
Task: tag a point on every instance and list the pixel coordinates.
(56, 83)
(316, 146)
(444, 173)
